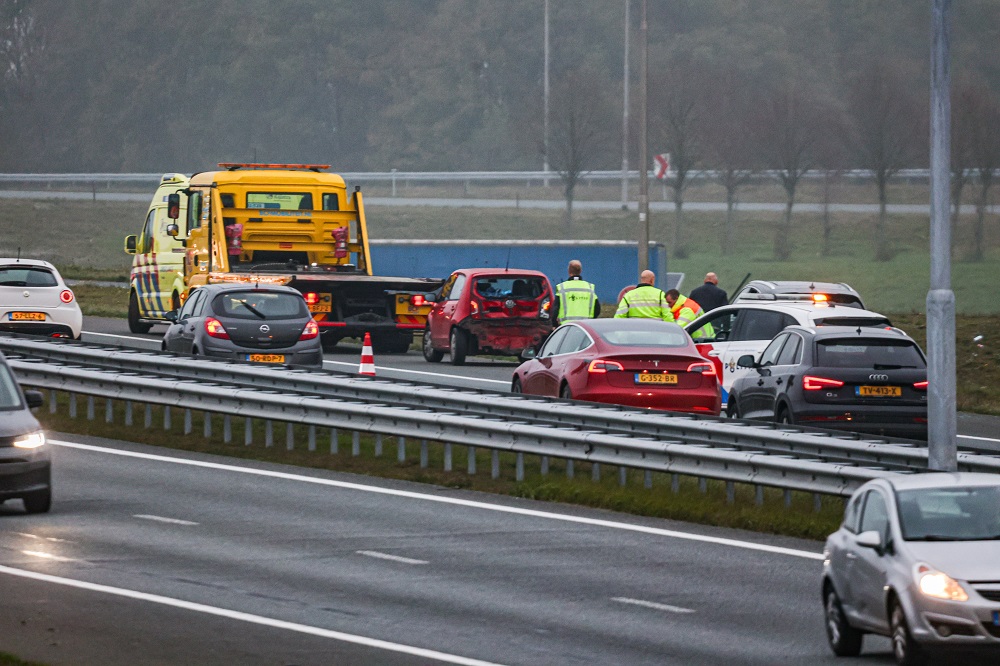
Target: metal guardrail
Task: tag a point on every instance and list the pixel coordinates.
(744, 452)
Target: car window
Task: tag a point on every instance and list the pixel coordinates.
(457, 288)
(254, 304)
(194, 211)
(280, 200)
(667, 336)
(869, 354)
(10, 397)
(876, 515)
(496, 288)
(574, 340)
(552, 344)
(952, 513)
(26, 276)
(446, 289)
(878, 322)
(852, 515)
(145, 243)
(790, 353)
(761, 325)
(770, 354)
(190, 304)
(715, 328)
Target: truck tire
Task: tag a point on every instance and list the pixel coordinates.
(459, 346)
(134, 324)
(431, 355)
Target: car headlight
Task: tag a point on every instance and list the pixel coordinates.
(939, 585)
(32, 440)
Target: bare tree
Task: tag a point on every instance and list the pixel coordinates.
(887, 123)
(832, 158)
(985, 160)
(966, 109)
(579, 134)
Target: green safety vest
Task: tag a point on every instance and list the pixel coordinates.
(576, 300)
(646, 302)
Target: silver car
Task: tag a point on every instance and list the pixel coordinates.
(917, 559)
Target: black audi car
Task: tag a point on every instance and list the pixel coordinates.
(869, 380)
(246, 322)
(25, 463)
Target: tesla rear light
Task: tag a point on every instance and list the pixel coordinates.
(310, 331)
(600, 366)
(810, 383)
(215, 329)
(703, 368)
(66, 296)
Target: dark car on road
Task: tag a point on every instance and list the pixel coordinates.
(246, 322)
(866, 380)
(25, 463)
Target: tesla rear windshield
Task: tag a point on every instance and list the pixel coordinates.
(633, 338)
(950, 514)
(10, 397)
(875, 354)
(509, 287)
(260, 305)
(26, 276)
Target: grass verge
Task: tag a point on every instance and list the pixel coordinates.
(689, 500)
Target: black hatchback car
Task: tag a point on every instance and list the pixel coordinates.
(25, 463)
(246, 322)
(866, 380)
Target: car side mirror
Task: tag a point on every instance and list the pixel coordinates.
(529, 354)
(174, 206)
(745, 361)
(171, 316)
(870, 539)
(34, 399)
(130, 244)
(173, 230)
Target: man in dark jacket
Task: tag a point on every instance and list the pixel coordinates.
(708, 295)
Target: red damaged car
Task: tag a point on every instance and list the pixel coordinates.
(488, 311)
(634, 362)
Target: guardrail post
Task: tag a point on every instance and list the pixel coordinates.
(730, 492)
(423, 454)
(227, 428)
(472, 460)
(290, 436)
(622, 476)
(53, 397)
(378, 445)
(817, 502)
(447, 457)
(788, 498)
(543, 468)
(595, 471)
(128, 412)
(401, 449)
(569, 468)
(109, 410)
(647, 480)
(268, 433)
(519, 467)
(675, 483)
(166, 418)
(312, 438)
(759, 499)
(148, 422)
(72, 405)
(206, 426)
(247, 431)
(334, 442)
(495, 464)
(90, 408)
(356, 443)
(702, 485)
(188, 427)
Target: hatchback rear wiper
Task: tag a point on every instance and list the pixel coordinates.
(253, 310)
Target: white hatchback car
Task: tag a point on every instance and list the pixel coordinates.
(726, 333)
(34, 299)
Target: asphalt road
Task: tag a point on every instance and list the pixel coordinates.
(254, 563)
(481, 372)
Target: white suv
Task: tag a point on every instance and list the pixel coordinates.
(34, 299)
(726, 333)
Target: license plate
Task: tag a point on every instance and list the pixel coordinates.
(879, 392)
(323, 304)
(996, 618)
(655, 378)
(266, 358)
(27, 316)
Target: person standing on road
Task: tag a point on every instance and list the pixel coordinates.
(575, 298)
(709, 295)
(683, 309)
(645, 301)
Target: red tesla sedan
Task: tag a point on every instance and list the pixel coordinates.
(633, 362)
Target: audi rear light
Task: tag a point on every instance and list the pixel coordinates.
(600, 366)
(703, 368)
(921, 386)
(810, 383)
(312, 298)
(310, 331)
(215, 328)
(66, 296)
(418, 300)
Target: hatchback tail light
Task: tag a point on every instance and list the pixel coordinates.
(543, 310)
(921, 386)
(215, 328)
(474, 307)
(66, 296)
(310, 331)
(600, 366)
(810, 383)
(703, 368)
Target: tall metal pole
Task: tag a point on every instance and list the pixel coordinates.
(545, 85)
(942, 441)
(643, 168)
(625, 79)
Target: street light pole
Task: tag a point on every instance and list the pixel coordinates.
(545, 94)
(643, 159)
(942, 393)
(625, 79)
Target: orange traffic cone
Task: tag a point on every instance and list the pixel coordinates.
(367, 366)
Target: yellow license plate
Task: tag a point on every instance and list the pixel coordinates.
(879, 391)
(266, 358)
(324, 304)
(27, 316)
(655, 378)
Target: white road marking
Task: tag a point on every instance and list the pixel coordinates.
(48, 556)
(35, 536)
(247, 617)
(387, 556)
(121, 337)
(421, 372)
(983, 439)
(161, 519)
(735, 543)
(652, 604)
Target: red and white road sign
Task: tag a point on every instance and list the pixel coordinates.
(661, 164)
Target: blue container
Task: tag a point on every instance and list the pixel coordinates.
(610, 265)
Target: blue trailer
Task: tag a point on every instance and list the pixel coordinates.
(610, 265)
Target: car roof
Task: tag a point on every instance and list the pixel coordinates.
(942, 480)
(499, 272)
(8, 261)
(248, 286)
(800, 307)
(824, 332)
(799, 287)
(624, 323)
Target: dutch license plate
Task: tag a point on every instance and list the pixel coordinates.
(323, 304)
(996, 618)
(27, 316)
(266, 358)
(655, 378)
(879, 392)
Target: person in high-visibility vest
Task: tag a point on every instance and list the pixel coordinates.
(685, 310)
(645, 301)
(575, 298)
